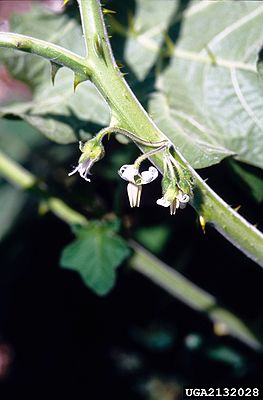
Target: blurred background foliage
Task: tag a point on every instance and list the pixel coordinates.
(137, 342)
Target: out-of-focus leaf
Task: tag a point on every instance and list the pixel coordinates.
(155, 337)
(59, 29)
(153, 238)
(209, 99)
(251, 178)
(18, 139)
(11, 202)
(60, 114)
(226, 355)
(95, 254)
(147, 26)
(56, 111)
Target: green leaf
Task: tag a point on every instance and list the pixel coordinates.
(95, 254)
(148, 25)
(209, 99)
(59, 29)
(59, 113)
(250, 178)
(153, 237)
(56, 111)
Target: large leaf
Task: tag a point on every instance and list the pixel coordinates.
(95, 254)
(11, 203)
(61, 114)
(250, 178)
(209, 99)
(56, 111)
(150, 22)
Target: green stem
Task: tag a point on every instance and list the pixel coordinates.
(136, 139)
(228, 222)
(187, 292)
(20, 177)
(149, 154)
(50, 51)
(127, 112)
(142, 261)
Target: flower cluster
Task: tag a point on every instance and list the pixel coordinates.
(174, 199)
(176, 182)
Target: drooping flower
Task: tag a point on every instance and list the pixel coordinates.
(136, 179)
(174, 199)
(83, 168)
(92, 151)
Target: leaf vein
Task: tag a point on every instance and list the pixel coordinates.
(242, 99)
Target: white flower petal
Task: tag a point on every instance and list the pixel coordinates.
(172, 209)
(163, 202)
(134, 194)
(74, 171)
(83, 169)
(128, 172)
(149, 176)
(183, 197)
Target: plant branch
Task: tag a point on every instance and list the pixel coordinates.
(50, 51)
(142, 261)
(19, 176)
(189, 293)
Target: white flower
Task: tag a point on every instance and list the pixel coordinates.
(134, 194)
(83, 169)
(174, 200)
(183, 199)
(131, 174)
(92, 151)
(136, 180)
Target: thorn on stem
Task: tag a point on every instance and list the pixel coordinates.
(79, 79)
(107, 11)
(54, 70)
(202, 223)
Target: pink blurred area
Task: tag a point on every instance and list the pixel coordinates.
(10, 89)
(6, 359)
